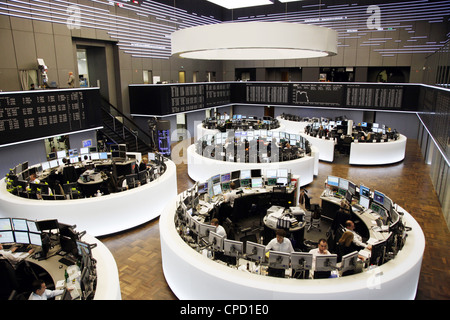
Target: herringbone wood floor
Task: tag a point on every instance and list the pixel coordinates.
(138, 253)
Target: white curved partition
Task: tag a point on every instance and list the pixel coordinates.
(295, 127)
(378, 152)
(191, 275)
(201, 168)
(99, 215)
(325, 147)
(108, 284)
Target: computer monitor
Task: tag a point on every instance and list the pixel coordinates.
(271, 173)
(233, 248)
(5, 224)
(387, 204)
(21, 237)
(217, 189)
(84, 150)
(326, 262)
(343, 184)
(364, 202)
(378, 197)
(351, 188)
(245, 174)
(32, 226)
(301, 260)
(45, 165)
(235, 175)
(255, 251)
(205, 229)
(194, 225)
(83, 249)
(279, 260)
(61, 154)
(6, 237)
(282, 173)
(215, 179)
(225, 177)
(216, 241)
(35, 238)
(333, 181)
(19, 224)
(378, 253)
(364, 191)
(282, 181)
(349, 262)
(256, 173)
(257, 182)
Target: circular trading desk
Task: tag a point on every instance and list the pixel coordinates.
(98, 215)
(190, 274)
(201, 168)
(361, 153)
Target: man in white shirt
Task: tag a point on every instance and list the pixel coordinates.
(322, 249)
(282, 244)
(230, 196)
(357, 239)
(219, 229)
(14, 259)
(40, 291)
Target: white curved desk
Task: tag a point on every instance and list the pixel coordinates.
(201, 168)
(295, 127)
(191, 275)
(99, 215)
(378, 153)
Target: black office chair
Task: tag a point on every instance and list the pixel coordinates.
(313, 212)
(8, 280)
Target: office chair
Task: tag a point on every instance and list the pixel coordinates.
(8, 279)
(312, 214)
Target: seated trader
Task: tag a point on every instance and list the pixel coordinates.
(11, 257)
(282, 244)
(357, 239)
(34, 179)
(40, 291)
(322, 249)
(342, 215)
(230, 196)
(219, 229)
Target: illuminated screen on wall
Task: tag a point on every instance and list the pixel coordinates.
(37, 114)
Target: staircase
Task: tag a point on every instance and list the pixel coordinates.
(119, 129)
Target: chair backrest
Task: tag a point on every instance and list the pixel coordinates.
(8, 276)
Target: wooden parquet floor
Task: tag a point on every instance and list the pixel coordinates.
(138, 252)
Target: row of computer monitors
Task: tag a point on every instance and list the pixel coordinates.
(221, 137)
(348, 189)
(247, 178)
(25, 171)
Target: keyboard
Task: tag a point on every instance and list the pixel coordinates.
(66, 261)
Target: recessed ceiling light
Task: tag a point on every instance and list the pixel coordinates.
(235, 4)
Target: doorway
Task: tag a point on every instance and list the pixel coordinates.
(92, 69)
(181, 76)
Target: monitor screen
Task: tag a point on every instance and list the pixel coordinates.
(35, 238)
(45, 165)
(6, 237)
(103, 155)
(282, 173)
(257, 183)
(256, 173)
(255, 250)
(215, 179)
(279, 259)
(326, 262)
(282, 181)
(364, 191)
(216, 241)
(301, 260)
(21, 237)
(351, 188)
(95, 156)
(54, 163)
(246, 174)
(32, 226)
(364, 124)
(271, 173)
(217, 189)
(225, 177)
(343, 184)
(364, 201)
(61, 154)
(205, 229)
(5, 224)
(84, 150)
(151, 156)
(349, 261)
(378, 197)
(333, 181)
(233, 248)
(235, 175)
(20, 224)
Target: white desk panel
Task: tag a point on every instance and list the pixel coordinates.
(190, 274)
(201, 168)
(378, 153)
(98, 215)
(202, 131)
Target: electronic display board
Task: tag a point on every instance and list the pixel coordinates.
(36, 114)
(317, 94)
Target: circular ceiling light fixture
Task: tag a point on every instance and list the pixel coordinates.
(254, 41)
